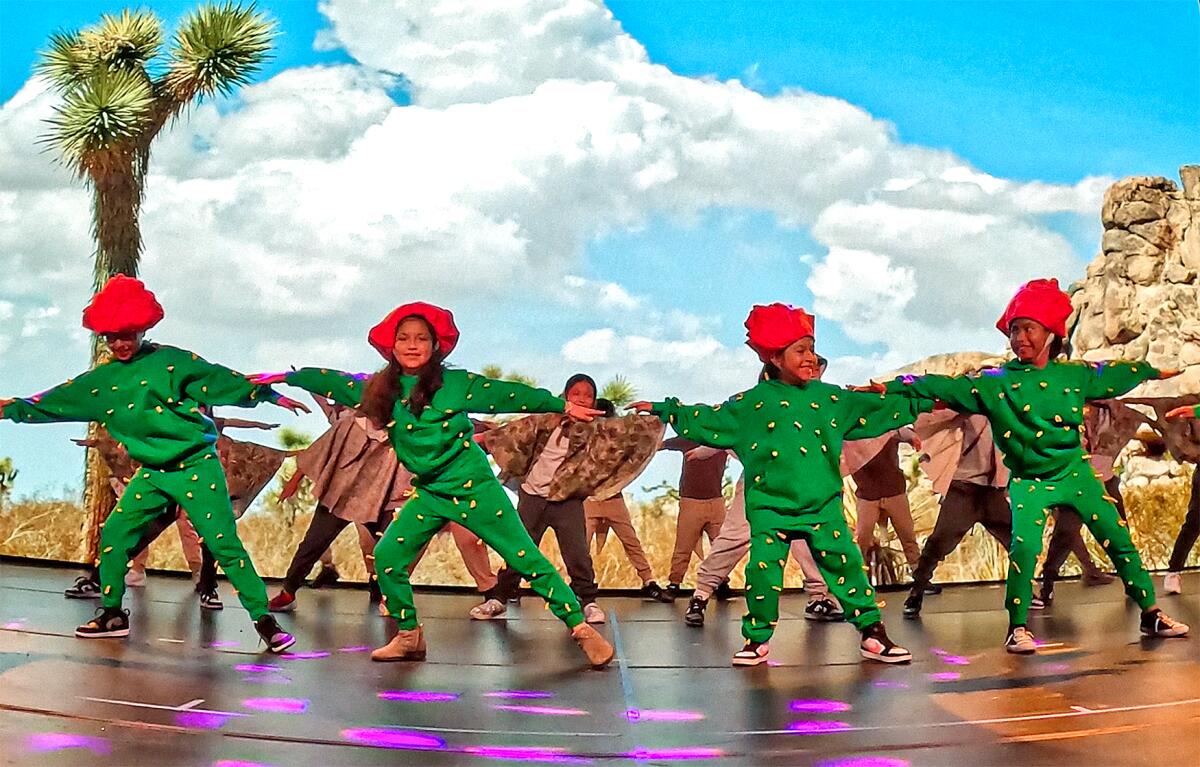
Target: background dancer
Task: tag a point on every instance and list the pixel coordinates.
(1185, 442)
(701, 506)
(881, 492)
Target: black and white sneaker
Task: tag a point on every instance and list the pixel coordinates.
(652, 592)
(876, 645)
(724, 592)
(211, 600)
(695, 611)
(752, 654)
(1159, 624)
(824, 610)
(85, 587)
(109, 623)
(1020, 641)
(671, 592)
(913, 604)
(276, 638)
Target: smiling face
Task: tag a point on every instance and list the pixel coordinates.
(1029, 340)
(581, 393)
(414, 345)
(123, 345)
(798, 364)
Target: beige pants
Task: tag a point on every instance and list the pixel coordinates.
(613, 514)
(696, 517)
(878, 512)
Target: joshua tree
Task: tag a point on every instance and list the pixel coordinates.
(118, 93)
(618, 391)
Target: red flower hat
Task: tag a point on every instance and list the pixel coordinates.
(1041, 301)
(383, 335)
(123, 305)
(771, 329)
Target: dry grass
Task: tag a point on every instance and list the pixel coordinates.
(52, 529)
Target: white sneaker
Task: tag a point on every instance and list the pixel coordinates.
(751, 654)
(135, 578)
(1020, 642)
(492, 608)
(1159, 624)
(593, 614)
(1173, 583)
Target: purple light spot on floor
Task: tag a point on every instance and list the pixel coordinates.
(540, 710)
(521, 753)
(1057, 668)
(60, 741)
(356, 648)
(773, 663)
(218, 645)
(519, 694)
(945, 676)
(305, 655)
(674, 754)
(14, 625)
(384, 738)
(202, 720)
(418, 696)
(810, 727)
(237, 763)
(254, 668)
(956, 660)
(277, 705)
(891, 684)
(818, 706)
(662, 715)
(864, 761)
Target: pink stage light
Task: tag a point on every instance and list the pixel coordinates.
(305, 655)
(519, 694)
(673, 754)
(418, 696)
(525, 754)
(60, 741)
(379, 737)
(256, 668)
(540, 710)
(818, 706)
(662, 715)
(864, 761)
(813, 727)
(277, 705)
(945, 676)
(202, 720)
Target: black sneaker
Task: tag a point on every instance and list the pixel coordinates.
(276, 638)
(724, 592)
(932, 589)
(1159, 624)
(695, 611)
(824, 610)
(876, 645)
(211, 600)
(109, 623)
(85, 587)
(912, 605)
(654, 593)
(671, 592)
(327, 578)
(751, 654)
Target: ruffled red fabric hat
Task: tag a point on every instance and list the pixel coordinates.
(123, 305)
(383, 335)
(1041, 301)
(771, 329)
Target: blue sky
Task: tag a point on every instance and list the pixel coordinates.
(1025, 91)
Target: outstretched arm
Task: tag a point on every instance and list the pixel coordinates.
(711, 425)
(1187, 411)
(211, 384)
(1102, 380)
(871, 415)
(491, 395)
(70, 401)
(957, 392)
(343, 388)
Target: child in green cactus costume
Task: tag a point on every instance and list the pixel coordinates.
(788, 431)
(424, 406)
(149, 397)
(1035, 406)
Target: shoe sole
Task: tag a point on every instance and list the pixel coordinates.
(82, 596)
(114, 634)
(210, 606)
(1160, 635)
(1021, 650)
(885, 658)
(281, 647)
(410, 658)
(487, 617)
(910, 614)
(825, 618)
(757, 660)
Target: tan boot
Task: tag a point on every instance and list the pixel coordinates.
(597, 649)
(405, 646)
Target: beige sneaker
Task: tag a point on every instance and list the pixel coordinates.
(135, 577)
(1020, 642)
(592, 613)
(405, 646)
(489, 610)
(597, 649)
(1173, 583)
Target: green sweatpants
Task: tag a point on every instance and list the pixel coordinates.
(1078, 488)
(833, 548)
(482, 507)
(199, 487)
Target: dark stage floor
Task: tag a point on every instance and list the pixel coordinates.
(192, 689)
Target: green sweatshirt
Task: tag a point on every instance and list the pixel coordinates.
(437, 445)
(789, 438)
(1036, 413)
(150, 404)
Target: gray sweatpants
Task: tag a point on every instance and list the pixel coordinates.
(733, 542)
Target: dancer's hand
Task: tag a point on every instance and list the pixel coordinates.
(641, 406)
(4, 403)
(266, 379)
(581, 413)
(873, 387)
(1186, 411)
(1165, 374)
(292, 405)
